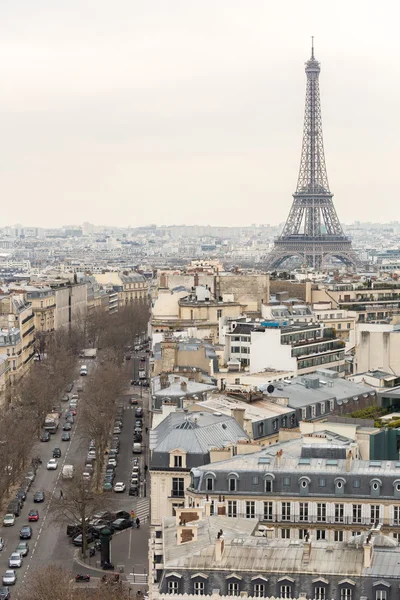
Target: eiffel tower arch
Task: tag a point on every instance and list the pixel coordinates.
(312, 231)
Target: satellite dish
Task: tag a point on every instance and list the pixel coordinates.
(270, 389)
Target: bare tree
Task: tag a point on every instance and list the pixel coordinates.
(77, 502)
(48, 583)
(55, 583)
(98, 411)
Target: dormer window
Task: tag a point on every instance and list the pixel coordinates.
(177, 461)
(375, 486)
(269, 482)
(210, 481)
(233, 479)
(340, 482)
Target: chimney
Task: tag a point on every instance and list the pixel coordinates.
(176, 378)
(196, 279)
(349, 460)
(183, 386)
(307, 548)
(238, 414)
(219, 546)
(278, 457)
(163, 281)
(164, 381)
(368, 546)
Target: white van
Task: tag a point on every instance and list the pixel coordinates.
(68, 471)
(137, 448)
(83, 370)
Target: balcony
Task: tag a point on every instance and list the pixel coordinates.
(44, 308)
(177, 494)
(31, 316)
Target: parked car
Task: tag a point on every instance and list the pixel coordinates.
(4, 593)
(9, 520)
(70, 387)
(21, 494)
(39, 496)
(139, 412)
(112, 462)
(15, 560)
(31, 475)
(107, 486)
(120, 524)
(14, 507)
(25, 533)
(134, 401)
(77, 541)
(57, 453)
(1, 543)
(45, 436)
(22, 548)
(133, 490)
(33, 515)
(117, 430)
(65, 398)
(10, 577)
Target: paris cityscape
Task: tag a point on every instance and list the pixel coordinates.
(198, 395)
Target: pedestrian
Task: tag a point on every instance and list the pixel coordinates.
(138, 522)
(145, 468)
(61, 494)
(147, 430)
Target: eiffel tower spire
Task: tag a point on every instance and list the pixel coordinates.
(312, 230)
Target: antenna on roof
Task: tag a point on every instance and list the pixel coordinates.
(312, 47)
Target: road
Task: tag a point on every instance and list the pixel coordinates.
(49, 543)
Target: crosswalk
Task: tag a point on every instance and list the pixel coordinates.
(137, 579)
(142, 509)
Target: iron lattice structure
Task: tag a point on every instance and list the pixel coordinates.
(312, 231)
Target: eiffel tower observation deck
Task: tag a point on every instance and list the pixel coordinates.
(312, 231)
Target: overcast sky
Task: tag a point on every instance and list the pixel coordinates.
(191, 111)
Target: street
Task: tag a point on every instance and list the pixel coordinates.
(50, 543)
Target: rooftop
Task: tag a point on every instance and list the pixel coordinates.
(255, 411)
(195, 433)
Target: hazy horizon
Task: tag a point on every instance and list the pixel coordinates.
(191, 113)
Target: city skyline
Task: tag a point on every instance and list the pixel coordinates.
(191, 114)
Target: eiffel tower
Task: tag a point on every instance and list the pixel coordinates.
(312, 231)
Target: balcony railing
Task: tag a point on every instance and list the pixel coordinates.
(31, 316)
(177, 494)
(313, 520)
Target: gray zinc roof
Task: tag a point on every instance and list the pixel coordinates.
(195, 432)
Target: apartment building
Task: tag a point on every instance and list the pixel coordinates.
(194, 554)
(321, 490)
(300, 348)
(130, 285)
(16, 312)
(71, 303)
(10, 355)
(377, 348)
(43, 302)
(179, 443)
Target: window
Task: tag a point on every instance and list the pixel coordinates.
(304, 413)
(319, 593)
(232, 484)
(212, 508)
(375, 512)
(286, 591)
(173, 587)
(339, 326)
(356, 513)
(233, 589)
(345, 594)
(250, 509)
(219, 313)
(321, 534)
(285, 511)
(268, 511)
(339, 536)
(321, 512)
(322, 482)
(381, 595)
(303, 514)
(178, 487)
(232, 508)
(339, 513)
(209, 484)
(198, 588)
(286, 481)
(285, 534)
(331, 405)
(396, 515)
(268, 485)
(178, 461)
(259, 590)
(356, 483)
(348, 325)
(255, 480)
(313, 410)
(260, 429)
(302, 533)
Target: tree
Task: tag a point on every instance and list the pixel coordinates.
(101, 393)
(77, 502)
(48, 583)
(55, 583)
